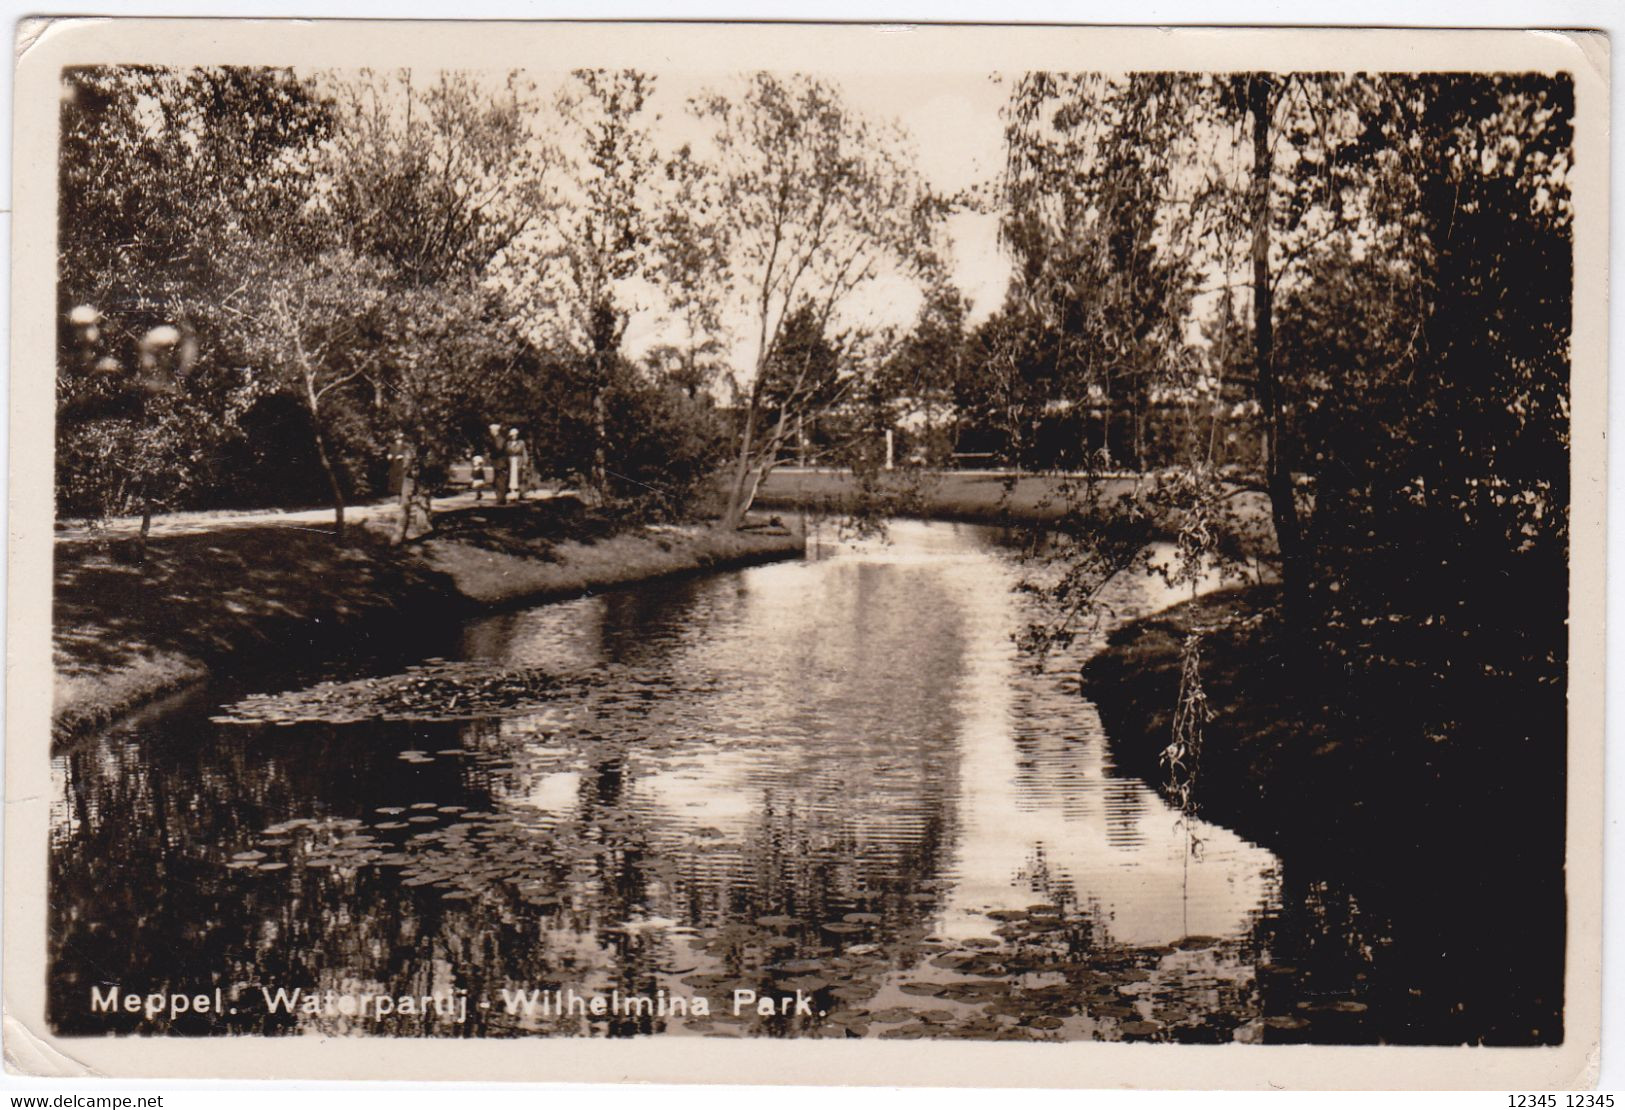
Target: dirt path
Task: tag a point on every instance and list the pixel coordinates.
(220, 520)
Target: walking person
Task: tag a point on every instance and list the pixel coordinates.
(497, 451)
(518, 452)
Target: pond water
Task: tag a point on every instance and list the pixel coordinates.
(832, 783)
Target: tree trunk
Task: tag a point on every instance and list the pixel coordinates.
(757, 475)
(404, 532)
(313, 405)
(751, 474)
(1106, 429)
(1140, 405)
(416, 518)
(600, 422)
(734, 515)
(146, 530)
(1278, 470)
(332, 476)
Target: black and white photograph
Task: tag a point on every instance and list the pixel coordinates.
(795, 535)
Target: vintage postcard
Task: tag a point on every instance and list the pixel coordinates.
(956, 555)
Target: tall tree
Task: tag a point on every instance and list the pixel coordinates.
(1133, 193)
(1103, 260)
(604, 231)
(1261, 99)
(315, 324)
(817, 202)
(435, 180)
(163, 174)
(922, 372)
(1431, 356)
(691, 267)
(1392, 254)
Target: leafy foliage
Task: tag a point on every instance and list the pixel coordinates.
(162, 173)
(1383, 263)
(816, 202)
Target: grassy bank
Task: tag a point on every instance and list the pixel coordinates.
(1409, 836)
(498, 558)
(1293, 759)
(278, 594)
(943, 495)
(1261, 753)
(985, 497)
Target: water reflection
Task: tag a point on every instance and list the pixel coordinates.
(830, 780)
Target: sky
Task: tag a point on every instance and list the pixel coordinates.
(958, 136)
(953, 121)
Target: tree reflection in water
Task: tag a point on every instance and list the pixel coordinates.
(831, 777)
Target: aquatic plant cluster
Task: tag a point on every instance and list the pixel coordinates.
(700, 789)
(435, 690)
(1046, 972)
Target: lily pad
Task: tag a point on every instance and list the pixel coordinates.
(1337, 1006)
(812, 984)
(1285, 1021)
(930, 990)
(432, 691)
(798, 967)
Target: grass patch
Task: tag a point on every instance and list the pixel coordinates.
(945, 495)
(124, 632)
(1305, 762)
(276, 596)
(1259, 735)
(493, 575)
(531, 529)
(981, 498)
